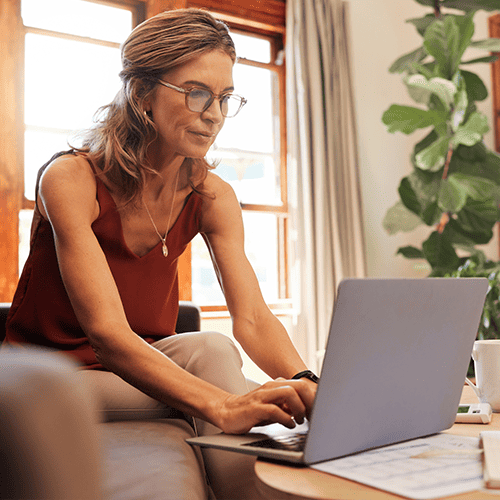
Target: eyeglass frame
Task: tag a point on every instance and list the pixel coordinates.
(186, 92)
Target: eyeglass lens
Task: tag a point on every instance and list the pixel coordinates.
(198, 100)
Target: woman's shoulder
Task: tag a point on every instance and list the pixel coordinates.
(221, 206)
(68, 179)
(68, 168)
(217, 187)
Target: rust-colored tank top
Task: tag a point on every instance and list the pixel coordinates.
(41, 312)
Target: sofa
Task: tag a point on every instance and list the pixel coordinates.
(66, 449)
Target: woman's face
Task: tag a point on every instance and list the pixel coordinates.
(182, 132)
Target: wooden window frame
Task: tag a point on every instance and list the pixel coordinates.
(494, 32)
(268, 19)
(261, 17)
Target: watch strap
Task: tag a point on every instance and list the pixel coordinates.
(306, 374)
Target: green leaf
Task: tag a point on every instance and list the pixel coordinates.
(446, 40)
(410, 252)
(466, 27)
(475, 153)
(441, 87)
(408, 196)
(432, 214)
(476, 161)
(433, 157)
(476, 220)
(477, 188)
(460, 108)
(422, 69)
(439, 251)
(489, 44)
(458, 239)
(452, 196)
(476, 89)
(399, 218)
(472, 131)
(407, 119)
(405, 62)
(422, 23)
(486, 59)
(425, 185)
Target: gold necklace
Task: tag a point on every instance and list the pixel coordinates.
(164, 238)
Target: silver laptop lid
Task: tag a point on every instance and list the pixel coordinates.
(395, 362)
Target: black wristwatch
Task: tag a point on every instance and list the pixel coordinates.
(307, 374)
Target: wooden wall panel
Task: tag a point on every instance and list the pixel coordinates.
(270, 12)
(154, 7)
(11, 140)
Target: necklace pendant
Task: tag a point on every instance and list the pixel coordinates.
(164, 249)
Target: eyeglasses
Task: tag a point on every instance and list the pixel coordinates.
(199, 100)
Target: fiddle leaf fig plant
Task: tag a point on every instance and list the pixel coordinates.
(454, 187)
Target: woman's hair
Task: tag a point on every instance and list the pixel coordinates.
(118, 142)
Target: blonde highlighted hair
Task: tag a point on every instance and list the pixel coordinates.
(118, 142)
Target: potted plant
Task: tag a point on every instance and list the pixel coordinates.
(475, 267)
(454, 187)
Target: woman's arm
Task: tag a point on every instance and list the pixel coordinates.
(68, 200)
(260, 333)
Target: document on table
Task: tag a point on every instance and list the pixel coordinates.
(430, 467)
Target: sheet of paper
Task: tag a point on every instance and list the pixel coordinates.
(431, 467)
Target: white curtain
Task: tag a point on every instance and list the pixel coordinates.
(325, 198)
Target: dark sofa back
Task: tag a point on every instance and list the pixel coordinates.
(189, 319)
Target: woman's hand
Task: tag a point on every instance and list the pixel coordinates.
(287, 402)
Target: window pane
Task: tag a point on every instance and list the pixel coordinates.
(261, 247)
(253, 176)
(25, 218)
(248, 147)
(59, 92)
(39, 147)
(253, 129)
(78, 17)
(250, 47)
(60, 101)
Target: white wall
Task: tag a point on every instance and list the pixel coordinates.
(379, 36)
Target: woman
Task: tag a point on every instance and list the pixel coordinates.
(111, 220)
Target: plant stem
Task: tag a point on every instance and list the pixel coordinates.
(445, 217)
(437, 8)
(447, 163)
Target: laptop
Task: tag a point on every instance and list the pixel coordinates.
(394, 368)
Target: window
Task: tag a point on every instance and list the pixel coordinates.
(248, 156)
(47, 93)
(62, 90)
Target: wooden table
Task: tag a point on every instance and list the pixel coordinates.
(282, 482)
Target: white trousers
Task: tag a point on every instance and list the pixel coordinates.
(212, 357)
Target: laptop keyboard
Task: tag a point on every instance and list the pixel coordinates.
(293, 442)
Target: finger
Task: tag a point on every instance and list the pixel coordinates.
(288, 400)
(274, 414)
(307, 392)
(305, 389)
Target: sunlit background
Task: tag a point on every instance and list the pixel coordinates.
(72, 61)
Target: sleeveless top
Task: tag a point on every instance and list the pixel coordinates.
(41, 312)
